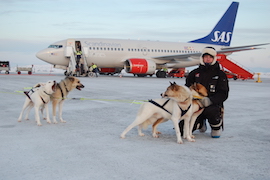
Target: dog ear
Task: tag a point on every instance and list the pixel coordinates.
(174, 82)
(71, 78)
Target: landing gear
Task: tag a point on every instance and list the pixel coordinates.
(161, 74)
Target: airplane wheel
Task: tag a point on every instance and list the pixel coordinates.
(161, 74)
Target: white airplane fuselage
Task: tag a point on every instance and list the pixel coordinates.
(112, 53)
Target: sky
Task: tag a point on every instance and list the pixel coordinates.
(28, 26)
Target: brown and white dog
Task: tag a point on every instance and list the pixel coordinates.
(38, 97)
(62, 89)
(178, 105)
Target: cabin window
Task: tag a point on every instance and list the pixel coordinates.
(55, 46)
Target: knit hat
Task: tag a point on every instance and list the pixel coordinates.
(208, 51)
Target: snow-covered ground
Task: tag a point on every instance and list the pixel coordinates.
(48, 69)
(89, 146)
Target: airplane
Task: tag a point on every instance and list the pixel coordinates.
(142, 57)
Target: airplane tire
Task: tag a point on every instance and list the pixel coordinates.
(161, 74)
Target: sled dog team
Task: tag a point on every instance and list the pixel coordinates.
(177, 103)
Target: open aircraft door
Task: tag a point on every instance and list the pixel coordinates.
(70, 47)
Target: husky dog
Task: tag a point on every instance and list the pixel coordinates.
(177, 105)
(62, 89)
(38, 97)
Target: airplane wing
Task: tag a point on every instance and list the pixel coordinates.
(223, 50)
(178, 57)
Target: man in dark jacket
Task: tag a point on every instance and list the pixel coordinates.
(215, 80)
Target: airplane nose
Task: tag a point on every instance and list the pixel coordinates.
(41, 55)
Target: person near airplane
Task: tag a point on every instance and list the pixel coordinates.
(215, 80)
(79, 54)
(94, 68)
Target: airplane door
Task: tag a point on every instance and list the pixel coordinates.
(71, 42)
(70, 46)
(144, 49)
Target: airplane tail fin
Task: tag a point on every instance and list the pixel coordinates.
(223, 31)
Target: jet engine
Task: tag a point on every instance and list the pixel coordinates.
(140, 66)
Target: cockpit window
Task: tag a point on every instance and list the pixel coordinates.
(55, 46)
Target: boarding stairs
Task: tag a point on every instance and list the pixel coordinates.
(70, 53)
(241, 72)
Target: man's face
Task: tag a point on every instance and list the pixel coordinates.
(207, 59)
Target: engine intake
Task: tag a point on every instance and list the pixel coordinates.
(140, 66)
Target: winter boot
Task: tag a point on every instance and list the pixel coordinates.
(203, 127)
(215, 133)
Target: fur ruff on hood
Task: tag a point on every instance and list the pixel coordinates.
(211, 52)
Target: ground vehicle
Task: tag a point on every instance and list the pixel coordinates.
(180, 72)
(28, 69)
(4, 66)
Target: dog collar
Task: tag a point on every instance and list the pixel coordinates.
(46, 93)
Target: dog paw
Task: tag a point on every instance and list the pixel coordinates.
(158, 132)
(122, 137)
(192, 136)
(39, 124)
(141, 134)
(155, 135)
(49, 122)
(180, 142)
(62, 121)
(55, 122)
(190, 139)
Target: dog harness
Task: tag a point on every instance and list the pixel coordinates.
(62, 90)
(183, 112)
(27, 94)
(161, 106)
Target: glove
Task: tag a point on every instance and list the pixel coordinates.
(206, 101)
